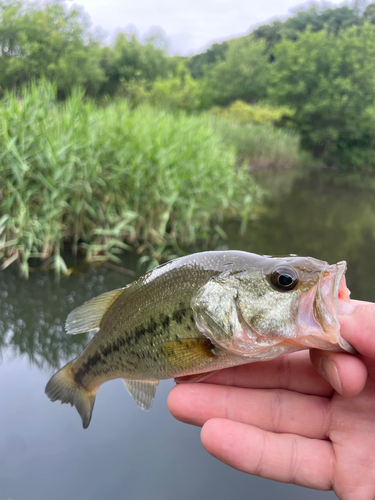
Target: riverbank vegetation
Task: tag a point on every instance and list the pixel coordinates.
(104, 147)
(317, 65)
(106, 178)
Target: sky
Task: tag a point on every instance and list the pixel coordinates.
(190, 25)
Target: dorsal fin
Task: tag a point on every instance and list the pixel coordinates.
(142, 391)
(89, 316)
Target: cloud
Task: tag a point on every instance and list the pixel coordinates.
(189, 25)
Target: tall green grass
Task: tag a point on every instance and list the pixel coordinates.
(262, 145)
(106, 178)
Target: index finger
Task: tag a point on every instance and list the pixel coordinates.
(291, 371)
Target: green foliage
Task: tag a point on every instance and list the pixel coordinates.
(47, 39)
(103, 178)
(135, 91)
(319, 62)
(369, 13)
(198, 63)
(262, 145)
(130, 60)
(330, 82)
(242, 75)
(317, 17)
(243, 113)
(179, 91)
(51, 40)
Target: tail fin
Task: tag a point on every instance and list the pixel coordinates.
(63, 387)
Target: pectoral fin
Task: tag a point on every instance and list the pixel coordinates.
(142, 391)
(215, 313)
(190, 352)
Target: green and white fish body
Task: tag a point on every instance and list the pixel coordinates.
(198, 314)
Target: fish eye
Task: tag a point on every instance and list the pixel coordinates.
(284, 278)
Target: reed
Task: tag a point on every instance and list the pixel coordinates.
(104, 179)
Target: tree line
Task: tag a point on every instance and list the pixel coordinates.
(319, 63)
(49, 39)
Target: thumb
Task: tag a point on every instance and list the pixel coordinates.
(346, 373)
(358, 328)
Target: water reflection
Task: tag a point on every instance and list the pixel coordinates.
(33, 312)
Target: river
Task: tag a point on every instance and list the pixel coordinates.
(126, 453)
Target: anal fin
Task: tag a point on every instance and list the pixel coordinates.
(142, 391)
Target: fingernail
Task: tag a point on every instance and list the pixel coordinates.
(331, 374)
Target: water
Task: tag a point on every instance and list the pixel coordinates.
(126, 453)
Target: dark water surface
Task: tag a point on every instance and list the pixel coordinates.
(126, 453)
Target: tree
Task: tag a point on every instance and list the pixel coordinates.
(369, 13)
(242, 75)
(49, 40)
(198, 63)
(129, 59)
(316, 17)
(330, 82)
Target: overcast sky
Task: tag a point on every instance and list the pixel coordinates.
(190, 25)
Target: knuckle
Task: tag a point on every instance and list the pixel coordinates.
(276, 409)
(284, 371)
(259, 465)
(294, 462)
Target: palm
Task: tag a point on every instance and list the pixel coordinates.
(281, 420)
(352, 433)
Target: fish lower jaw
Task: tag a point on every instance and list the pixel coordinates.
(316, 325)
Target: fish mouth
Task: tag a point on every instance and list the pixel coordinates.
(333, 298)
(320, 308)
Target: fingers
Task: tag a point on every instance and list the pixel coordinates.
(281, 457)
(273, 410)
(358, 328)
(292, 371)
(346, 373)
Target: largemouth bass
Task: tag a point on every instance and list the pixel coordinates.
(198, 314)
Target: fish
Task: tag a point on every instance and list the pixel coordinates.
(198, 314)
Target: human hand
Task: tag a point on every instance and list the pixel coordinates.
(281, 420)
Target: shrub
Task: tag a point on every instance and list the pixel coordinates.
(262, 145)
(242, 113)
